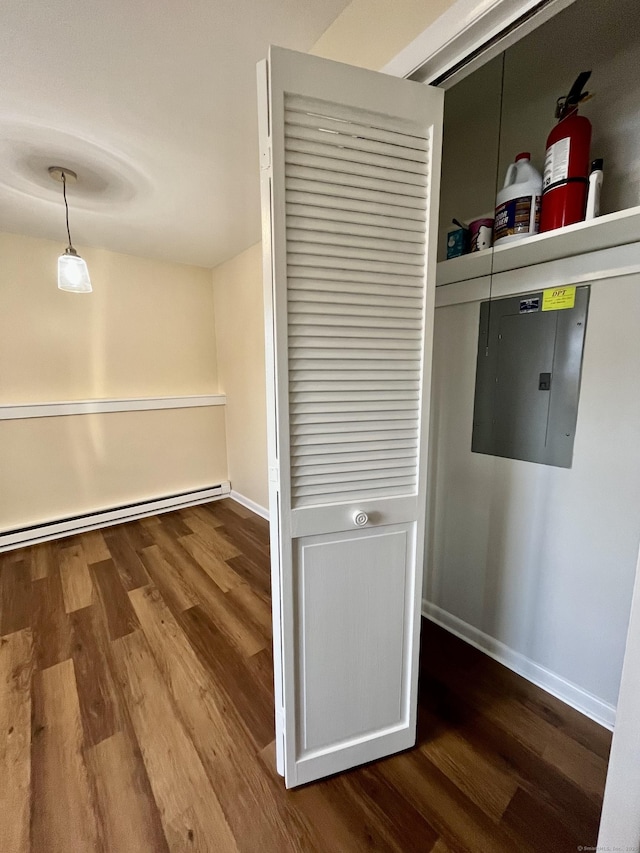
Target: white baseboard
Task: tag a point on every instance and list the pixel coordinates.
(252, 505)
(583, 701)
(12, 539)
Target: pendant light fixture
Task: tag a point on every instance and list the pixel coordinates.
(73, 274)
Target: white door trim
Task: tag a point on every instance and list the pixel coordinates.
(465, 28)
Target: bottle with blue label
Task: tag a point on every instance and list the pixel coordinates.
(518, 202)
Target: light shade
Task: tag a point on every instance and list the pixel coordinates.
(73, 274)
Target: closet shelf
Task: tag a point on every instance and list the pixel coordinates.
(613, 229)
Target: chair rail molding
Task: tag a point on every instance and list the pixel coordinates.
(55, 409)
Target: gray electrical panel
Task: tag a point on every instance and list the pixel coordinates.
(528, 377)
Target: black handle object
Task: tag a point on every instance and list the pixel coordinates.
(571, 101)
(544, 383)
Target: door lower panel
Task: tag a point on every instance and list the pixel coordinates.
(353, 617)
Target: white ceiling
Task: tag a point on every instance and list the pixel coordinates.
(153, 103)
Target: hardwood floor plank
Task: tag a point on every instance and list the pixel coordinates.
(128, 815)
(77, 586)
(42, 559)
(62, 816)
(238, 509)
(174, 523)
(440, 847)
(118, 612)
(258, 578)
(254, 529)
(202, 512)
(94, 547)
(15, 594)
(397, 824)
(459, 821)
(537, 828)
(254, 609)
(168, 578)
(97, 698)
(137, 535)
(588, 771)
(50, 622)
(174, 768)
(213, 725)
(130, 568)
(505, 749)
(16, 664)
(217, 542)
(224, 612)
(218, 570)
(535, 775)
(488, 784)
(247, 544)
(15, 555)
(252, 697)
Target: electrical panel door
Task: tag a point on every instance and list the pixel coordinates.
(528, 378)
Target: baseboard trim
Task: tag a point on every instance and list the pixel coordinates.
(12, 539)
(249, 504)
(583, 701)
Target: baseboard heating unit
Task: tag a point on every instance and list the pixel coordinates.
(20, 537)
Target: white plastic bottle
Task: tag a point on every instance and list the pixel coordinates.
(595, 188)
(518, 202)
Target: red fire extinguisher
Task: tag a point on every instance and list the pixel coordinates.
(566, 166)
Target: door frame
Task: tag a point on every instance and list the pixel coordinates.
(463, 38)
(467, 35)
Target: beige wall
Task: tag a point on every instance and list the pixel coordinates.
(368, 33)
(146, 330)
(239, 313)
(54, 468)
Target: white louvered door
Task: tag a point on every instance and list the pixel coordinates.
(350, 179)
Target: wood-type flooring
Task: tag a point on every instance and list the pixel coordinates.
(136, 714)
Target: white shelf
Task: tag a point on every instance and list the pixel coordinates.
(605, 232)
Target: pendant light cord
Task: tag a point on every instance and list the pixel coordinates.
(66, 206)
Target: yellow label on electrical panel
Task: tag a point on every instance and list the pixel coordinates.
(557, 298)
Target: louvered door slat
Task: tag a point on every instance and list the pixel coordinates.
(398, 345)
(329, 251)
(391, 397)
(326, 149)
(358, 144)
(327, 262)
(401, 276)
(344, 201)
(326, 225)
(313, 183)
(313, 452)
(313, 116)
(381, 176)
(355, 273)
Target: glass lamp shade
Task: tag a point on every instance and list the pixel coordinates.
(73, 274)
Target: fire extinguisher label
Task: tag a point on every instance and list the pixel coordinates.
(514, 216)
(556, 163)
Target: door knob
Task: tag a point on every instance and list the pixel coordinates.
(360, 518)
